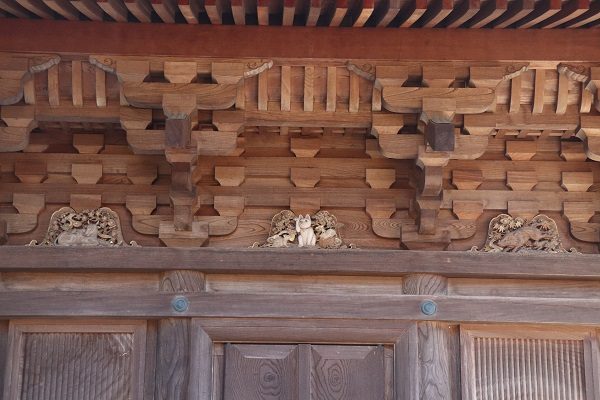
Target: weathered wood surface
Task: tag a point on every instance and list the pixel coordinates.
(271, 41)
(474, 309)
(300, 261)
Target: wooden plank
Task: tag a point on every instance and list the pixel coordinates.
(349, 262)
(239, 12)
(201, 365)
(388, 44)
(26, 303)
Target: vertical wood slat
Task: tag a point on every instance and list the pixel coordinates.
(100, 88)
(354, 96)
(309, 98)
(331, 89)
(175, 343)
(515, 94)
(263, 91)
(286, 82)
(562, 97)
(53, 91)
(539, 86)
(77, 83)
(525, 369)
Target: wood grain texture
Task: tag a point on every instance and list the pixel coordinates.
(174, 345)
(347, 372)
(77, 366)
(258, 372)
(354, 262)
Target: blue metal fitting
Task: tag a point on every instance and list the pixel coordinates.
(428, 307)
(180, 303)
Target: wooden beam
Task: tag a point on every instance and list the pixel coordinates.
(37, 7)
(436, 12)
(26, 303)
(89, 8)
(570, 11)
(140, 9)
(488, 13)
(463, 13)
(516, 11)
(66, 37)
(413, 13)
(544, 10)
(13, 8)
(267, 261)
(63, 8)
(592, 15)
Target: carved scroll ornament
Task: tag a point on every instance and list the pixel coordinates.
(99, 227)
(309, 231)
(517, 235)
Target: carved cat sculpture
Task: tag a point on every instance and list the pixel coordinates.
(306, 237)
(87, 236)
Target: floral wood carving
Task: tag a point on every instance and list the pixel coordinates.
(313, 231)
(517, 235)
(100, 227)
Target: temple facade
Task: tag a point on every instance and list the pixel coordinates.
(237, 200)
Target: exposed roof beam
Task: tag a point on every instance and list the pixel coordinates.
(230, 41)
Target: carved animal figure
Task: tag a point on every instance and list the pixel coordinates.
(87, 236)
(519, 238)
(306, 237)
(328, 238)
(281, 239)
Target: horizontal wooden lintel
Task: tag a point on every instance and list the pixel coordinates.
(302, 262)
(229, 41)
(300, 306)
